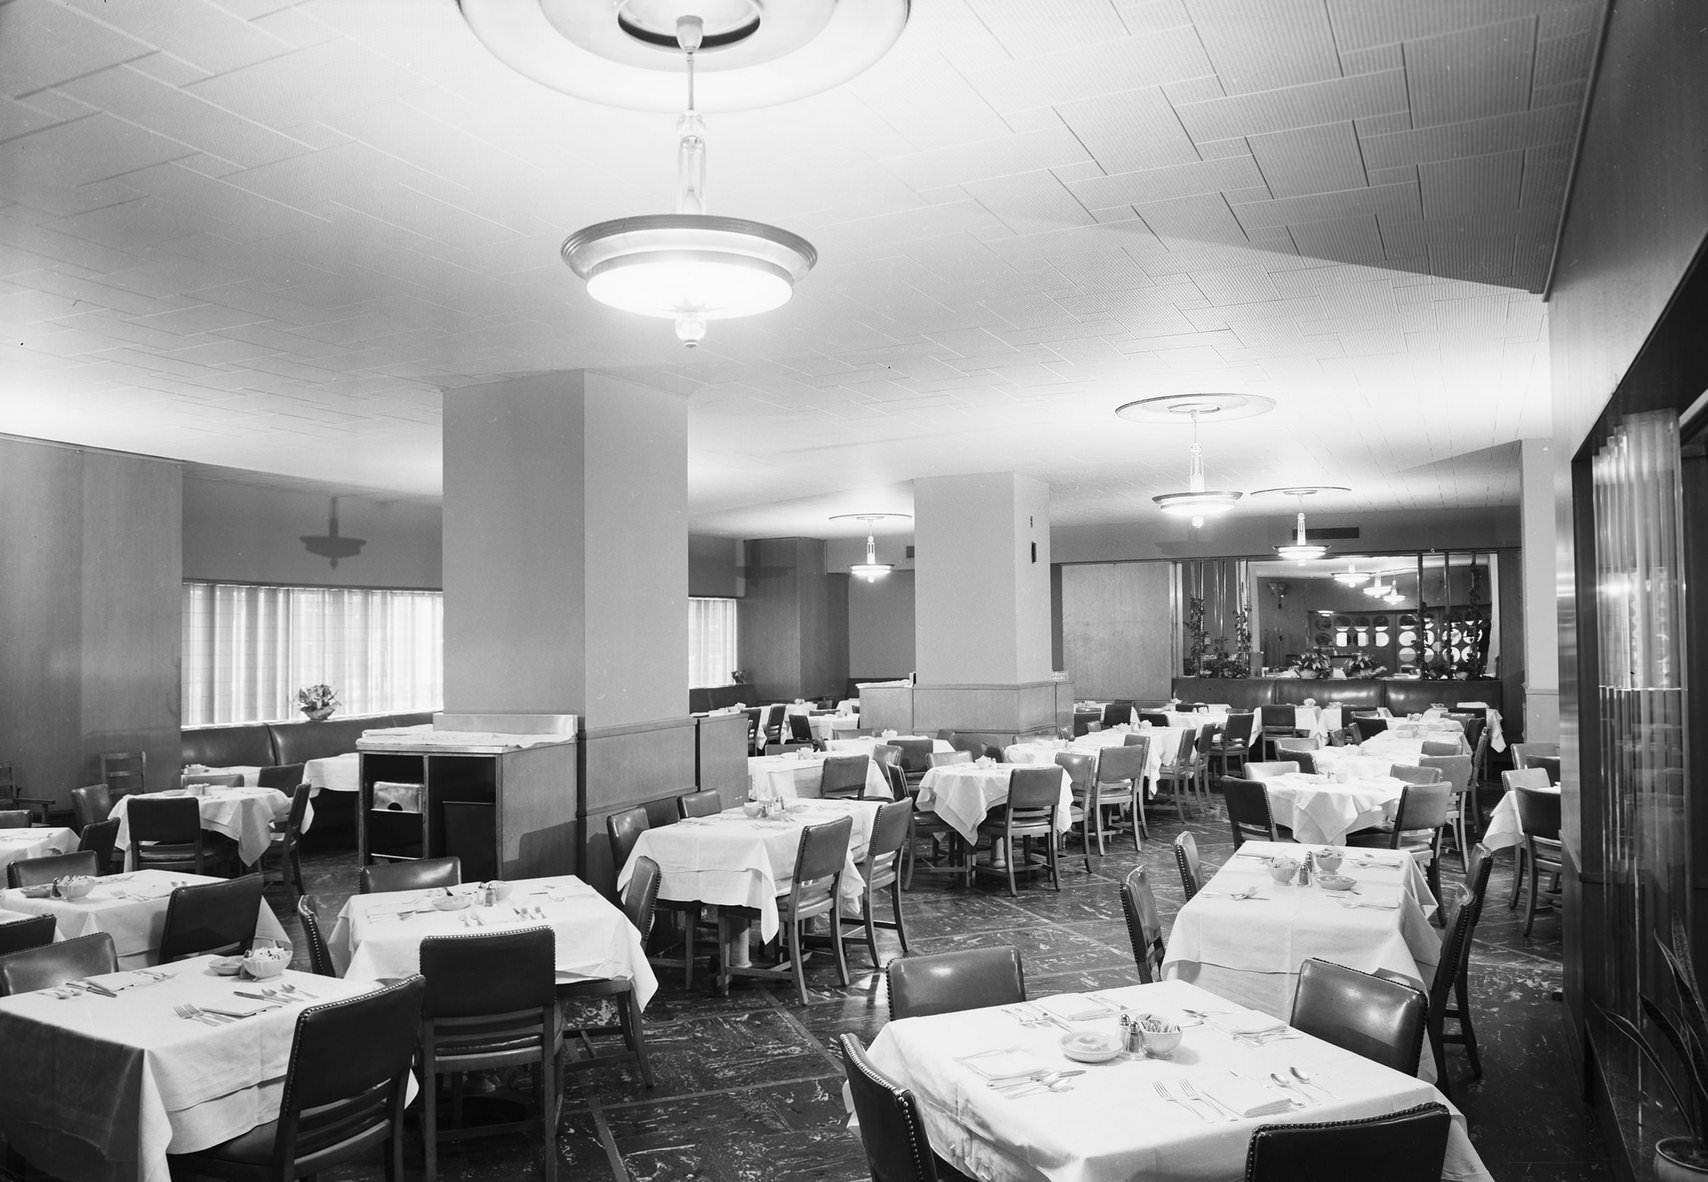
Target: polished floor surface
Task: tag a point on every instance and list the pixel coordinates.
(748, 1087)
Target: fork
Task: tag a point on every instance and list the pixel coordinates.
(1162, 1090)
(298, 991)
(195, 1015)
(1192, 1093)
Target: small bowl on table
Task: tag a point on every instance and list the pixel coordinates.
(1283, 869)
(449, 902)
(264, 963)
(500, 890)
(1159, 1035)
(1336, 882)
(1328, 861)
(753, 808)
(73, 886)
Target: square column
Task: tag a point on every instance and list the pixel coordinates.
(1541, 617)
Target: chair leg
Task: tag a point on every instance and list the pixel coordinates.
(1461, 990)
(550, 1076)
(628, 1014)
(1434, 1031)
(797, 958)
(1530, 903)
(1013, 893)
(836, 946)
(1053, 853)
(901, 929)
(871, 926)
(1517, 876)
(429, 1113)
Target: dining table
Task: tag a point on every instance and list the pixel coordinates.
(1504, 830)
(1244, 935)
(863, 744)
(102, 1088)
(18, 845)
(245, 815)
(379, 935)
(1322, 808)
(962, 794)
(795, 775)
(334, 773)
(731, 859)
(129, 907)
(1132, 1118)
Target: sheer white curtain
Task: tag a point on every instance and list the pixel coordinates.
(712, 651)
(248, 649)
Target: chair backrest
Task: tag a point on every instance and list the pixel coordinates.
(1034, 790)
(1081, 767)
(884, 846)
(1411, 773)
(819, 859)
(915, 754)
(1137, 739)
(124, 771)
(319, 955)
(100, 839)
(91, 803)
(413, 875)
(211, 917)
(1549, 765)
(1410, 1145)
(1455, 769)
(1525, 777)
(1423, 807)
(969, 743)
(1239, 728)
(844, 776)
(704, 803)
(1266, 769)
(1117, 765)
(283, 776)
(36, 871)
(1083, 720)
(1343, 737)
(966, 979)
(1368, 728)
(348, 1076)
(31, 932)
(14, 818)
(489, 973)
(891, 1127)
(171, 820)
(640, 895)
(48, 965)
(1117, 712)
(1278, 716)
(944, 758)
(301, 794)
(1538, 813)
(1144, 924)
(1296, 743)
(1461, 926)
(1307, 761)
(800, 729)
(1207, 737)
(1522, 753)
(1186, 861)
(886, 754)
(624, 830)
(1368, 1015)
(1248, 810)
(1156, 718)
(1436, 747)
(213, 780)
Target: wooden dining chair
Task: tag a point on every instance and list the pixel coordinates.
(166, 833)
(705, 803)
(1543, 851)
(89, 804)
(217, 917)
(882, 871)
(346, 1084)
(1081, 767)
(1411, 1145)
(1416, 828)
(947, 982)
(1376, 1017)
(1178, 770)
(1368, 728)
(1449, 990)
(124, 772)
(1186, 861)
(892, 1129)
(1028, 814)
(410, 874)
(843, 777)
(12, 795)
(101, 839)
(1116, 713)
(591, 995)
(1144, 924)
(1249, 818)
(34, 931)
(319, 953)
(28, 872)
(47, 965)
(813, 892)
(1456, 770)
(283, 854)
(1119, 776)
(915, 758)
(1235, 745)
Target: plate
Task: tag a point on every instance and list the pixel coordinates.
(450, 902)
(1091, 1046)
(1335, 882)
(227, 966)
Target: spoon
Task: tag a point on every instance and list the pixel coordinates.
(1283, 1081)
(1306, 1077)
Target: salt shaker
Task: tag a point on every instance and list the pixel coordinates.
(1305, 870)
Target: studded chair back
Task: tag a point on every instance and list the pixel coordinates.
(946, 982)
(1381, 1019)
(624, 830)
(100, 839)
(704, 803)
(884, 847)
(1186, 861)
(891, 1127)
(319, 955)
(90, 803)
(640, 896)
(35, 931)
(48, 965)
(417, 875)
(1144, 924)
(166, 831)
(211, 917)
(40, 871)
(1248, 811)
(1411, 1145)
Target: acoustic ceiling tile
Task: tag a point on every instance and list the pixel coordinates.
(1027, 29)
(1004, 156)
(1451, 188)
(1152, 16)
(1222, 149)
(1249, 286)
(1194, 90)
(202, 34)
(1403, 238)
(1481, 137)
(43, 44)
(1565, 93)
(1472, 74)
(1124, 63)
(1322, 159)
(1563, 59)
(1163, 184)
(1563, 20)
(1405, 174)
(1369, 61)
(1395, 201)
(1382, 125)
(1281, 43)
(1346, 240)
(1364, 96)
(1134, 130)
(1200, 219)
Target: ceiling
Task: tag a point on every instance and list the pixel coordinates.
(266, 236)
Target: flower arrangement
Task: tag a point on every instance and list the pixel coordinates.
(317, 701)
(1316, 663)
(1364, 665)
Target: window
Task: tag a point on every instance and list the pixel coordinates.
(712, 652)
(248, 649)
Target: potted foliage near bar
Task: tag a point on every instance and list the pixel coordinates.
(1685, 1032)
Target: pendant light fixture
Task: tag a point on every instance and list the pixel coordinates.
(1197, 502)
(870, 570)
(1351, 576)
(1301, 549)
(689, 266)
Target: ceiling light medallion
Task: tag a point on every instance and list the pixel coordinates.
(871, 570)
(1301, 549)
(1198, 501)
(688, 266)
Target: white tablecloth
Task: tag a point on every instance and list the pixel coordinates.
(796, 775)
(1111, 1126)
(1350, 762)
(245, 815)
(17, 845)
(127, 1080)
(1504, 831)
(334, 773)
(962, 793)
(1037, 751)
(1396, 748)
(1249, 951)
(248, 774)
(380, 935)
(863, 744)
(1322, 812)
(731, 860)
(132, 909)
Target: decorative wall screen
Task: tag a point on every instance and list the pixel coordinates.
(1639, 556)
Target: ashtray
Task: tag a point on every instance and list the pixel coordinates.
(1091, 1046)
(1336, 882)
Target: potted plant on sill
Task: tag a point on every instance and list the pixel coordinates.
(1686, 1033)
(317, 701)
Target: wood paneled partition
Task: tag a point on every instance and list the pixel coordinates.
(1117, 629)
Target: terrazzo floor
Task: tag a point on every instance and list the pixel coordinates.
(749, 1087)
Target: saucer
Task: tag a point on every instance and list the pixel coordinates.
(1091, 1046)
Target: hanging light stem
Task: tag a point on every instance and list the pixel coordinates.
(691, 147)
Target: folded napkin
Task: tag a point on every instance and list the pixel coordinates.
(1073, 1007)
(118, 982)
(1375, 896)
(1246, 1022)
(240, 1009)
(1247, 1097)
(1005, 1064)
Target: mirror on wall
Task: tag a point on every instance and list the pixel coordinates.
(1413, 615)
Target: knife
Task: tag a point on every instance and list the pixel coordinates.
(94, 988)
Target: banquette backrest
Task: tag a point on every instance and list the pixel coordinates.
(1354, 695)
(269, 744)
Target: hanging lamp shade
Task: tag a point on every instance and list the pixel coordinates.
(1197, 502)
(1351, 576)
(871, 570)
